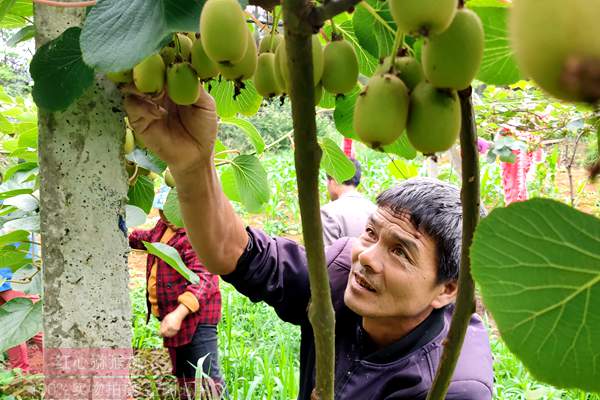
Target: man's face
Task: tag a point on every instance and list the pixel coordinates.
(394, 271)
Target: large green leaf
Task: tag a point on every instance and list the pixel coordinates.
(251, 180)
(498, 66)
(335, 163)
(183, 15)
(249, 129)
(119, 34)
(246, 102)
(402, 147)
(374, 28)
(20, 320)
(15, 192)
(538, 266)
(16, 13)
(134, 216)
(344, 113)
(5, 5)
(60, 76)
(13, 259)
(169, 255)
(229, 184)
(142, 193)
(171, 208)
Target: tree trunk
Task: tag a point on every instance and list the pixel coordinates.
(87, 322)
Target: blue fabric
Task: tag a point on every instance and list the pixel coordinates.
(161, 197)
(5, 273)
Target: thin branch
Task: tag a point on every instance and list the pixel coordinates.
(307, 154)
(77, 4)
(465, 302)
(320, 14)
(260, 25)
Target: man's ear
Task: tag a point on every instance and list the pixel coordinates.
(446, 295)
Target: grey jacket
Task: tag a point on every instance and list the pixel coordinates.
(345, 217)
(274, 270)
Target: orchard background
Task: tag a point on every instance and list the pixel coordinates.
(67, 182)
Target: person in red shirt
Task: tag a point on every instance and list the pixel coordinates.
(188, 313)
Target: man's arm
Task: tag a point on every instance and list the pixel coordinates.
(184, 137)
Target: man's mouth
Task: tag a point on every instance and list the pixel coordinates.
(363, 282)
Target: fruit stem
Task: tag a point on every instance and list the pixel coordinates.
(276, 16)
(334, 31)
(398, 42)
(465, 302)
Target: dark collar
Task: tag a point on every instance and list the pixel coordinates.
(417, 338)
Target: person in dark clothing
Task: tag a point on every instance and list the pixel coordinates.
(392, 288)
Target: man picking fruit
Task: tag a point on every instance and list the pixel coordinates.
(392, 288)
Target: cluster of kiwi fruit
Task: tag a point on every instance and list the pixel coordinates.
(420, 97)
(225, 46)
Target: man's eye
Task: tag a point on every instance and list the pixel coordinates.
(370, 233)
(398, 251)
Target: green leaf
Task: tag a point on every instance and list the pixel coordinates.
(5, 5)
(247, 102)
(328, 100)
(169, 255)
(16, 15)
(335, 163)
(171, 209)
(28, 137)
(20, 320)
(402, 147)
(498, 66)
(31, 223)
(25, 202)
(402, 169)
(344, 113)
(374, 33)
(57, 68)
(13, 259)
(142, 193)
(13, 237)
(119, 34)
(134, 216)
(27, 166)
(25, 33)
(15, 192)
(183, 15)
(251, 180)
(249, 129)
(538, 266)
(229, 184)
(148, 160)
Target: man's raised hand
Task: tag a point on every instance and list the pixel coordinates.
(182, 136)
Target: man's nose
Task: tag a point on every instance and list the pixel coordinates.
(370, 258)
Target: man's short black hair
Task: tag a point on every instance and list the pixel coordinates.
(355, 180)
(434, 208)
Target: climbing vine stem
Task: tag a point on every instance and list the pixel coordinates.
(465, 302)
